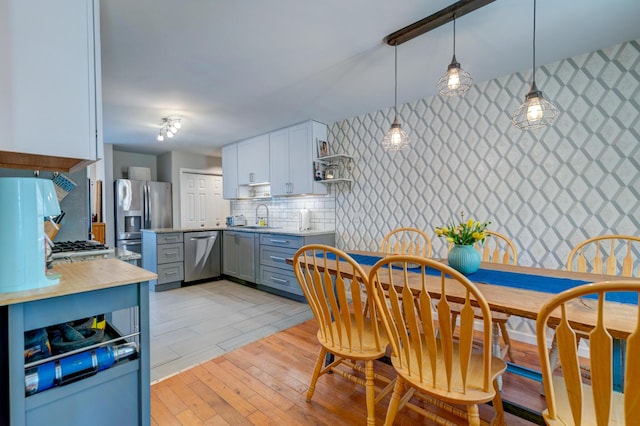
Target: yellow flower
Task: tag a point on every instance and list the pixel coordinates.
(465, 233)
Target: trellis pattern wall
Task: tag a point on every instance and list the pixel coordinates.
(548, 189)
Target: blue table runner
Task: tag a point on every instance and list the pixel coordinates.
(540, 283)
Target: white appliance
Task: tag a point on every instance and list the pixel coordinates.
(140, 205)
(304, 219)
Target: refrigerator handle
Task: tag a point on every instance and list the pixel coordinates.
(145, 204)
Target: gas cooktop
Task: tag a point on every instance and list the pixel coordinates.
(74, 246)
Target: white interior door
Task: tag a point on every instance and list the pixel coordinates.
(202, 205)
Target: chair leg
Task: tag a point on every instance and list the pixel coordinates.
(316, 373)
(507, 339)
(495, 348)
(370, 392)
(392, 409)
(553, 359)
(498, 418)
(473, 415)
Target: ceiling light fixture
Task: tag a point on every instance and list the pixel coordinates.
(169, 128)
(536, 111)
(396, 139)
(455, 81)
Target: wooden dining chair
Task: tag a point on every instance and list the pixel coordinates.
(432, 364)
(407, 241)
(337, 290)
(572, 399)
(599, 255)
(497, 248)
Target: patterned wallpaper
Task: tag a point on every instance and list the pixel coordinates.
(548, 189)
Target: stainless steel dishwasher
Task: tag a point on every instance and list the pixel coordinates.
(202, 255)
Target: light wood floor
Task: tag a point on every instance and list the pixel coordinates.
(265, 382)
(196, 323)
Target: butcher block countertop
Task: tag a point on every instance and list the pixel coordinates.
(82, 277)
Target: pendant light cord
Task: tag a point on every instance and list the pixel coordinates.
(534, 42)
(454, 35)
(395, 101)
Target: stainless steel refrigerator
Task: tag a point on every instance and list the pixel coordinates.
(140, 205)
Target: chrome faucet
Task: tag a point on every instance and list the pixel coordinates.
(265, 221)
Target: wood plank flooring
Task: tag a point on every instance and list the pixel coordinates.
(265, 383)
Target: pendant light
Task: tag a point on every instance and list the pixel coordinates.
(396, 139)
(536, 111)
(455, 81)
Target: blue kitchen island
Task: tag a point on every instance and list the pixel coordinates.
(117, 395)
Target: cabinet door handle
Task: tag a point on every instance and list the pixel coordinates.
(251, 177)
(171, 273)
(170, 253)
(279, 280)
(280, 241)
(278, 258)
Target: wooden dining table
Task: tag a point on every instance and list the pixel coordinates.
(514, 299)
(512, 289)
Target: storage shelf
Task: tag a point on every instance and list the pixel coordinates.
(342, 165)
(329, 158)
(336, 180)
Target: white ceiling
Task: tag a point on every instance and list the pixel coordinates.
(235, 69)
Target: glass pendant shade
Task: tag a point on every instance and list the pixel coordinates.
(455, 81)
(160, 137)
(535, 112)
(396, 139)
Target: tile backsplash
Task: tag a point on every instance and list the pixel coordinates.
(283, 211)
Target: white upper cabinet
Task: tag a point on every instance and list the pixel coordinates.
(291, 157)
(50, 100)
(253, 160)
(279, 159)
(230, 171)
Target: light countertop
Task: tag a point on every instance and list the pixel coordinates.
(263, 230)
(82, 277)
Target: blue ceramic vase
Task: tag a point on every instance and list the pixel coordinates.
(464, 258)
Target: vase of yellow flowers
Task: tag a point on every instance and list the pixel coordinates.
(463, 256)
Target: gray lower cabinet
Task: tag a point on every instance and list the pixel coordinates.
(239, 255)
(116, 396)
(163, 253)
(275, 275)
